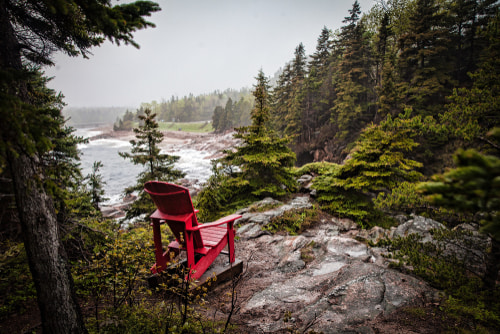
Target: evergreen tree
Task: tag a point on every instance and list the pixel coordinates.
(281, 97)
(474, 111)
(96, 183)
(354, 105)
(31, 32)
(321, 56)
(242, 112)
(425, 60)
(228, 118)
(293, 117)
(146, 152)
(473, 187)
(378, 163)
(315, 106)
(216, 119)
(263, 159)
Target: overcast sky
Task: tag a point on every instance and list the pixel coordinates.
(198, 46)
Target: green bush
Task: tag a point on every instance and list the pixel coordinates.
(293, 221)
(16, 284)
(467, 298)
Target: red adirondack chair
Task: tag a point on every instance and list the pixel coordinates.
(202, 242)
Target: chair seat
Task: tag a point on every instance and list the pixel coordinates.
(213, 235)
(211, 238)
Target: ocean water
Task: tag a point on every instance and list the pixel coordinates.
(119, 173)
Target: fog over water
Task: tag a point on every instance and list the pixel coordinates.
(119, 173)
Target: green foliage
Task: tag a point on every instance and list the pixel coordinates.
(113, 272)
(260, 167)
(32, 128)
(318, 168)
(198, 127)
(126, 123)
(221, 195)
(404, 197)
(293, 221)
(111, 281)
(16, 285)
(263, 158)
(472, 187)
(377, 164)
(199, 108)
(146, 152)
(95, 183)
(473, 111)
(466, 296)
(81, 25)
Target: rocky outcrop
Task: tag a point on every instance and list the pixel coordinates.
(324, 279)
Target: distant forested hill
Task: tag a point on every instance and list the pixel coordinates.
(93, 115)
(195, 108)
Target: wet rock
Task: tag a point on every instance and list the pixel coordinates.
(263, 218)
(343, 283)
(305, 183)
(304, 179)
(345, 224)
(373, 235)
(419, 225)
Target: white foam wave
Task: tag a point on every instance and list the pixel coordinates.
(109, 143)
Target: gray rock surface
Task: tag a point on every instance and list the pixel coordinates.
(419, 225)
(324, 279)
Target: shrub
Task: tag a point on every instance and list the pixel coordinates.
(293, 221)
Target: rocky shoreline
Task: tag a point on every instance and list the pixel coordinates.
(173, 141)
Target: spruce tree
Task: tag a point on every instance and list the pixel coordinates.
(378, 163)
(216, 119)
(280, 100)
(474, 111)
(424, 60)
(473, 187)
(293, 118)
(354, 104)
(263, 158)
(96, 183)
(315, 106)
(146, 152)
(31, 32)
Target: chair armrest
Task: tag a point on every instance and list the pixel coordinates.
(218, 222)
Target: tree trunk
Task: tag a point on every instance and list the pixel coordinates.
(492, 265)
(46, 255)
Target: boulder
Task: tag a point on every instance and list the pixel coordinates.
(419, 225)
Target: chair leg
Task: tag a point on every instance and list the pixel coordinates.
(230, 245)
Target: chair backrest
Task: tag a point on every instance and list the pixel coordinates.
(171, 199)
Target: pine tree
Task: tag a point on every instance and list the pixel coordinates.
(216, 118)
(424, 60)
(228, 115)
(474, 111)
(473, 187)
(354, 104)
(293, 117)
(31, 32)
(280, 100)
(379, 161)
(96, 183)
(315, 106)
(146, 152)
(263, 159)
